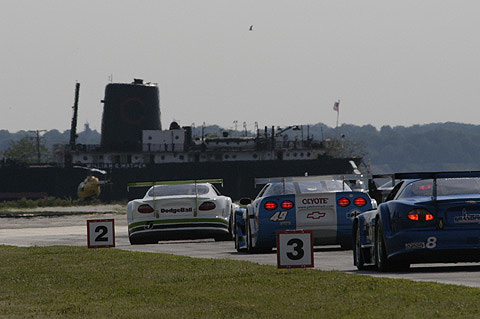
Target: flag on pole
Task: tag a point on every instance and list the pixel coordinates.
(336, 106)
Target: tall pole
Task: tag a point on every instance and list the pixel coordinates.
(338, 115)
(336, 107)
(73, 129)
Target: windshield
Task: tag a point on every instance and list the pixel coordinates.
(445, 186)
(172, 190)
(306, 187)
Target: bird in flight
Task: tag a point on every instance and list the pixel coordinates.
(251, 28)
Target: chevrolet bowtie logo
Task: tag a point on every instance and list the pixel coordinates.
(315, 215)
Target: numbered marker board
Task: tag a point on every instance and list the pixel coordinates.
(100, 233)
(295, 249)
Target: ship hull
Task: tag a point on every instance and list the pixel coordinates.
(238, 177)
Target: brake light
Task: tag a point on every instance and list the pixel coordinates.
(207, 206)
(359, 202)
(287, 204)
(145, 209)
(420, 215)
(270, 205)
(343, 202)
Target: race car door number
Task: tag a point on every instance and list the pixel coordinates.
(279, 216)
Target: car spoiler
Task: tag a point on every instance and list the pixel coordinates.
(193, 181)
(435, 175)
(429, 175)
(266, 180)
(342, 177)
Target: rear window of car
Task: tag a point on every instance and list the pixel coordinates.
(175, 190)
(306, 187)
(445, 187)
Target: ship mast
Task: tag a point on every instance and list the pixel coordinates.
(73, 129)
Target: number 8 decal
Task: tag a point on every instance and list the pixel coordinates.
(431, 242)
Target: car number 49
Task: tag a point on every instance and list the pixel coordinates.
(279, 216)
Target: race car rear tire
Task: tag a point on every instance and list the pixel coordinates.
(381, 260)
(250, 249)
(236, 236)
(255, 250)
(237, 244)
(357, 252)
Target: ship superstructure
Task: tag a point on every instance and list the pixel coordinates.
(132, 137)
(134, 148)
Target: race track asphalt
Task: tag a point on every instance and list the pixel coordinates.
(72, 230)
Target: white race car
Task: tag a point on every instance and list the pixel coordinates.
(179, 210)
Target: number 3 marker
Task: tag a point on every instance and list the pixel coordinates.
(295, 249)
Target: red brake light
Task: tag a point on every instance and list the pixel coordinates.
(145, 209)
(420, 214)
(359, 202)
(207, 206)
(413, 217)
(424, 187)
(287, 204)
(270, 205)
(343, 202)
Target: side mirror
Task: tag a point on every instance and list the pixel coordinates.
(245, 201)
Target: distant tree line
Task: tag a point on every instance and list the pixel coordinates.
(429, 147)
(23, 146)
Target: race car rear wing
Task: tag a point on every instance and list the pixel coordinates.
(266, 180)
(193, 181)
(358, 178)
(429, 175)
(435, 175)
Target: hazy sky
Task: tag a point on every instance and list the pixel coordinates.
(389, 62)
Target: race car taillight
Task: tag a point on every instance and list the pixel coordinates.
(359, 202)
(420, 215)
(207, 206)
(287, 204)
(270, 205)
(145, 209)
(343, 202)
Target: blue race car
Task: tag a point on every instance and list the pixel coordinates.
(427, 217)
(324, 204)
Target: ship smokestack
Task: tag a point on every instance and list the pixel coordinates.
(128, 110)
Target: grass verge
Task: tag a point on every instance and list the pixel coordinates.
(77, 282)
